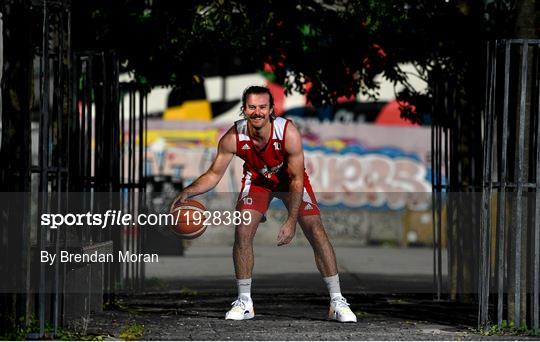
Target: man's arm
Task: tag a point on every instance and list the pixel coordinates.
(295, 161)
(209, 179)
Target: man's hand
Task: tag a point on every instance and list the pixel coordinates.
(286, 233)
(181, 198)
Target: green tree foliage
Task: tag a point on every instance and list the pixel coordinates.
(327, 49)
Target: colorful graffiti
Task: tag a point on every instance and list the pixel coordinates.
(344, 172)
(369, 179)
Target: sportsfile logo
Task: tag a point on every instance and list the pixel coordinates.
(104, 220)
(120, 219)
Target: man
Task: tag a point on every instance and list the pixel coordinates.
(274, 167)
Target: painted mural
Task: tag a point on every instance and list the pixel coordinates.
(345, 171)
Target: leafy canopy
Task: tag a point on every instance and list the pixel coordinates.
(325, 49)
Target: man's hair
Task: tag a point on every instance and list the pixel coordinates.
(256, 90)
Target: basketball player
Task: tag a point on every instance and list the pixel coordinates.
(274, 166)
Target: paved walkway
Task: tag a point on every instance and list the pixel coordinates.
(388, 288)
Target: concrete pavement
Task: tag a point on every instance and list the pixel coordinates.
(388, 288)
(413, 266)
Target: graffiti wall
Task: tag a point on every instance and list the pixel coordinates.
(350, 165)
(372, 181)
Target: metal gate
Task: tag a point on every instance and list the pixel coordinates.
(69, 145)
(487, 178)
(509, 273)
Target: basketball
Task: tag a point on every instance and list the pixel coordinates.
(189, 218)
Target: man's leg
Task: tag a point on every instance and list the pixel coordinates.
(243, 258)
(243, 246)
(325, 259)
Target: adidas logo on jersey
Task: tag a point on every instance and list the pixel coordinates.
(246, 147)
(308, 207)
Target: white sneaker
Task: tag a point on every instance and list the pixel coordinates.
(340, 311)
(242, 308)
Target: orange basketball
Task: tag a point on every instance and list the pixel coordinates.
(189, 218)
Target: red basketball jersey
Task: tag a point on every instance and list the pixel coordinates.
(266, 167)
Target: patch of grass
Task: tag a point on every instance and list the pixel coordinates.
(132, 332)
(68, 335)
(508, 328)
(22, 329)
(31, 328)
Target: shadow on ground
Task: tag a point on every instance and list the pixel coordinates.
(288, 307)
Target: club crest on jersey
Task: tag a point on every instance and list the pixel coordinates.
(246, 147)
(269, 171)
(277, 145)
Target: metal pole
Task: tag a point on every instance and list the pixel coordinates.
(520, 181)
(485, 224)
(433, 192)
(501, 200)
(536, 233)
(44, 160)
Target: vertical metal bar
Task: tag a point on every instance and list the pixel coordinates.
(1, 71)
(82, 85)
(69, 122)
(89, 121)
(492, 63)
(132, 198)
(130, 134)
(442, 128)
(90, 155)
(118, 267)
(44, 158)
(128, 189)
(129, 236)
(143, 266)
(459, 259)
(438, 139)
(454, 184)
(125, 199)
(433, 191)
(536, 234)
(449, 204)
(501, 200)
(132, 203)
(520, 181)
(81, 106)
(141, 138)
(121, 142)
(102, 175)
(81, 122)
(437, 151)
(141, 180)
(485, 223)
(60, 148)
(116, 171)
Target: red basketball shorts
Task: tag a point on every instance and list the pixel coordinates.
(258, 197)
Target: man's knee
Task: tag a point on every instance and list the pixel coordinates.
(244, 235)
(243, 242)
(311, 223)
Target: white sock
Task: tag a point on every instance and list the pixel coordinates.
(332, 283)
(244, 287)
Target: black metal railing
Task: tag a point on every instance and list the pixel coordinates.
(486, 184)
(69, 145)
(511, 187)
